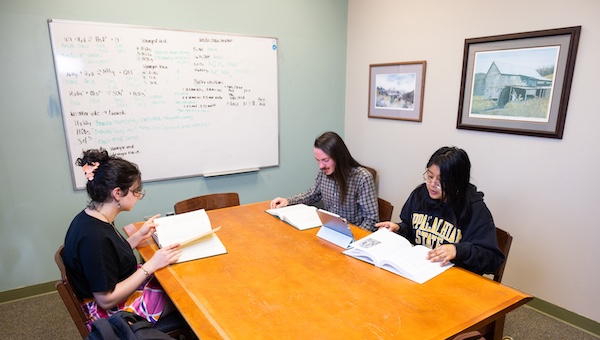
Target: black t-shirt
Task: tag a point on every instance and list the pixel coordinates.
(95, 256)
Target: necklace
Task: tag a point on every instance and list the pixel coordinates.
(111, 223)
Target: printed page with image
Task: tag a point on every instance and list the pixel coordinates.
(392, 252)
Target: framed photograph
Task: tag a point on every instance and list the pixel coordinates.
(518, 83)
(396, 90)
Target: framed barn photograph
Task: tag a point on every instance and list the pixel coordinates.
(396, 90)
(518, 83)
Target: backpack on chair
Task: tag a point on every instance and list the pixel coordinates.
(124, 326)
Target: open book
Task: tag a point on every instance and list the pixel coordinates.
(395, 253)
(193, 231)
(300, 216)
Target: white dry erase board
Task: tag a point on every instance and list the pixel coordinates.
(177, 103)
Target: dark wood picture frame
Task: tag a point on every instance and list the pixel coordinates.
(502, 86)
(396, 90)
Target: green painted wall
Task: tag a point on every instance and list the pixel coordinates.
(38, 201)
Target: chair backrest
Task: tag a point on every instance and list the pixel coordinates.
(173, 324)
(504, 241)
(208, 202)
(385, 210)
(374, 174)
(67, 294)
(385, 207)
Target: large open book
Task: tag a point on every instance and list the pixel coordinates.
(300, 216)
(193, 231)
(393, 252)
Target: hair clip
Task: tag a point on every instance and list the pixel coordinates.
(89, 169)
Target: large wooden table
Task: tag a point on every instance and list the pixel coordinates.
(277, 282)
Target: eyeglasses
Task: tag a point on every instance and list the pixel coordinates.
(139, 194)
(429, 178)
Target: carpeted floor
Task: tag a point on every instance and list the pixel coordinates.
(526, 323)
(40, 317)
(45, 317)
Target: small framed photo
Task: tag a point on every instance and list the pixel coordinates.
(396, 90)
(518, 83)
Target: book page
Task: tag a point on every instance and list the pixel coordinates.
(374, 247)
(301, 216)
(413, 264)
(181, 227)
(207, 246)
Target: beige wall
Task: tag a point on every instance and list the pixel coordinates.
(543, 191)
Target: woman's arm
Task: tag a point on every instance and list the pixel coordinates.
(147, 229)
(162, 258)
(478, 250)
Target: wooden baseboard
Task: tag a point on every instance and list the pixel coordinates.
(566, 316)
(26, 292)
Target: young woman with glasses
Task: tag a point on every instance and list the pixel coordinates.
(100, 262)
(447, 214)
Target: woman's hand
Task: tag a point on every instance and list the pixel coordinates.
(148, 228)
(444, 253)
(279, 203)
(391, 226)
(145, 231)
(163, 257)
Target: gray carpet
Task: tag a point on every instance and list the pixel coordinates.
(526, 323)
(45, 317)
(40, 317)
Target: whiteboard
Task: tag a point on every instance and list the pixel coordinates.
(177, 103)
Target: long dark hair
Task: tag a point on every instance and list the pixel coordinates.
(455, 175)
(333, 145)
(112, 172)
